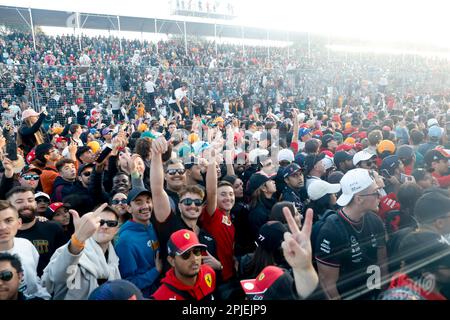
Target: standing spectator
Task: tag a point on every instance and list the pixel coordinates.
(188, 279)
(9, 224)
(343, 257)
(138, 246)
(30, 133)
(45, 236)
(88, 260)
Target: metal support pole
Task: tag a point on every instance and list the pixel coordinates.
(156, 34)
(215, 36)
(185, 38)
(79, 30)
(243, 43)
(120, 40)
(288, 46)
(309, 46)
(268, 48)
(32, 28)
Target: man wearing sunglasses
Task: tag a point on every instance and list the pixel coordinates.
(365, 160)
(188, 279)
(352, 241)
(11, 275)
(175, 177)
(190, 207)
(88, 260)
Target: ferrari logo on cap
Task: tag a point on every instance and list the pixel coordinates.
(187, 236)
(261, 277)
(208, 279)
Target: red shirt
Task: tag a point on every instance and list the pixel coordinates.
(444, 181)
(203, 287)
(402, 280)
(220, 227)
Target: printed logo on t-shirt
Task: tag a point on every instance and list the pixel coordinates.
(153, 244)
(355, 250)
(226, 221)
(208, 280)
(41, 246)
(325, 246)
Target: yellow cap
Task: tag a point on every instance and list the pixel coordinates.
(386, 145)
(350, 140)
(94, 145)
(192, 138)
(142, 127)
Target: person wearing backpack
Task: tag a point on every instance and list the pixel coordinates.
(350, 246)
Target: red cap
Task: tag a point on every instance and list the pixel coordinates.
(344, 147)
(263, 281)
(182, 241)
(60, 139)
(317, 133)
(31, 156)
(55, 206)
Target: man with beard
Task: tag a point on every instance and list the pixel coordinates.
(45, 236)
(188, 279)
(64, 183)
(194, 172)
(175, 176)
(190, 207)
(138, 246)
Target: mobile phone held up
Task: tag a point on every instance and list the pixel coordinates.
(11, 149)
(103, 155)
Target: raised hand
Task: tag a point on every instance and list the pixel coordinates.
(159, 146)
(87, 225)
(211, 261)
(297, 244)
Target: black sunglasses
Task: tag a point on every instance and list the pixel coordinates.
(196, 251)
(109, 223)
(87, 173)
(30, 177)
(44, 200)
(189, 201)
(172, 172)
(119, 201)
(6, 275)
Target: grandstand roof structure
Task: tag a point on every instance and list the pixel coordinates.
(10, 15)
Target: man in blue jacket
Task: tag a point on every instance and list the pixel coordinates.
(138, 246)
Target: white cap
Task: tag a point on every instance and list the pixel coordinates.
(41, 194)
(286, 155)
(257, 153)
(318, 188)
(361, 156)
(432, 122)
(328, 162)
(352, 182)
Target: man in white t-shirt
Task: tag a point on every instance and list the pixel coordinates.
(150, 91)
(9, 224)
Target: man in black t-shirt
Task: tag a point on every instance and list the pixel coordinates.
(46, 236)
(190, 206)
(350, 248)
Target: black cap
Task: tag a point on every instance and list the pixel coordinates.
(135, 192)
(405, 152)
(435, 155)
(311, 160)
(291, 169)
(256, 181)
(327, 138)
(390, 163)
(431, 206)
(341, 156)
(85, 166)
(271, 235)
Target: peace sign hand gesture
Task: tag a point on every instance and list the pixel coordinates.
(298, 253)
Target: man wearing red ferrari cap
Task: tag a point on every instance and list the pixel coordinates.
(188, 279)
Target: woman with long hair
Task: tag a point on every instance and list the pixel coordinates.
(30, 133)
(323, 197)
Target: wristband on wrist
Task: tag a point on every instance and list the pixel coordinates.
(135, 175)
(76, 243)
